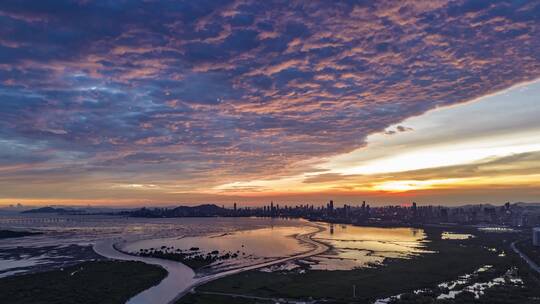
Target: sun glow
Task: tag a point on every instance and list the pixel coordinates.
(426, 152)
(408, 185)
(449, 155)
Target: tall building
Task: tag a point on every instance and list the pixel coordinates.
(331, 207)
(414, 212)
(536, 236)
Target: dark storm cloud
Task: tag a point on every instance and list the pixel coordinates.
(243, 88)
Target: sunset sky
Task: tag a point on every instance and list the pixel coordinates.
(183, 102)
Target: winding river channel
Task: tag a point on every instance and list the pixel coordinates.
(181, 279)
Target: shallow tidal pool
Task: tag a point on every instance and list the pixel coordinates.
(354, 246)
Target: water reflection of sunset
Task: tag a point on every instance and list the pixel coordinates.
(355, 246)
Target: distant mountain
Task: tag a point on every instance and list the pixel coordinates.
(49, 210)
(14, 208)
(207, 210)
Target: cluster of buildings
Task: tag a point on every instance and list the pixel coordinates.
(513, 215)
(518, 215)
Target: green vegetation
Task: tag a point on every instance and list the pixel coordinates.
(192, 257)
(104, 282)
(5, 234)
(452, 258)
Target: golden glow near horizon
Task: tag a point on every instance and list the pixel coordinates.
(493, 141)
(489, 146)
(407, 185)
(286, 102)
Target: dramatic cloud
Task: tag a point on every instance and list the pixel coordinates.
(188, 95)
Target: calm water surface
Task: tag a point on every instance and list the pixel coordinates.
(361, 246)
(255, 239)
(19, 255)
(252, 246)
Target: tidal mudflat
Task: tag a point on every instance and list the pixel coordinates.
(68, 239)
(265, 252)
(241, 248)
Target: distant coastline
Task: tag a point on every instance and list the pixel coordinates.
(7, 234)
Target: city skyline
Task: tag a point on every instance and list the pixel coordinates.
(179, 102)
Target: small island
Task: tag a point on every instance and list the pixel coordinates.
(192, 257)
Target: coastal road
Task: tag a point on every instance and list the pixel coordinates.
(182, 279)
(530, 262)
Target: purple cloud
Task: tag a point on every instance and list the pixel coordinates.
(241, 89)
